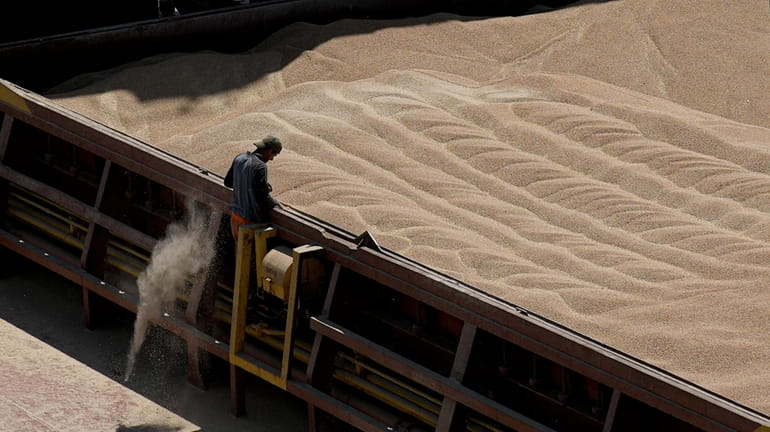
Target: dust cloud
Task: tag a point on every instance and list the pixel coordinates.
(181, 257)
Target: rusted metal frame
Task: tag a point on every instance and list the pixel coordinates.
(568, 349)
(654, 399)
(4, 204)
(566, 385)
(78, 207)
(650, 386)
(113, 294)
(321, 362)
(244, 251)
(200, 308)
(92, 261)
(98, 219)
(5, 134)
(260, 250)
(170, 323)
(298, 254)
(237, 392)
(188, 332)
(464, 349)
(41, 256)
(98, 227)
(252, 240)
(448, 420)
(55, 123)
(94, 249)
(677, 398)
(295, 216)
(609, 419)
(331, 292)
(315, 353)
(313, 417)
(319, 374)
(643, 382)
(103, 183)
(194, 358)
(448, 387)
(249, 243)
(124, 150)
(339, 409)
(196, 361)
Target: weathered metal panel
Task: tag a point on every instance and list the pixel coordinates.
(71, 226)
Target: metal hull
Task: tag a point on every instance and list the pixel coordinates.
(367, 336)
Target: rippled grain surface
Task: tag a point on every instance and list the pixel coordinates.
(605, 166)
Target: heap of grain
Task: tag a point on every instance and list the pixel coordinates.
(605, 166)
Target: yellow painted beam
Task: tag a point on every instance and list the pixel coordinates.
(260, 249)
(259, 372)
(243, 252)
(10, 97)
(299, 253)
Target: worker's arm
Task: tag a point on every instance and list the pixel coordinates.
(263, 188)
(229, 178)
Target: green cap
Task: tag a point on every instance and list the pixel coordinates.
(269, 143)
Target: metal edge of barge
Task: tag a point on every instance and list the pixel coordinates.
(360, 333)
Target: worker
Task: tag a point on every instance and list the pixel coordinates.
(247, 177)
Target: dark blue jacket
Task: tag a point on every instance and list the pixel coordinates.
(251, 191)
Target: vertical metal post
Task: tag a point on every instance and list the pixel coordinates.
(252, 237)
(243, 250)
(92, 258)
(321, 357)
(200, 308)
(448, 419)
(5, 135)
(611, 411)
(299, 254)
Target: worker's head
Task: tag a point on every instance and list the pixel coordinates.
(269, 147)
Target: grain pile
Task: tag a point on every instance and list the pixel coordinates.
(605, 166)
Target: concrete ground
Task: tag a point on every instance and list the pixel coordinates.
(48, 307)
